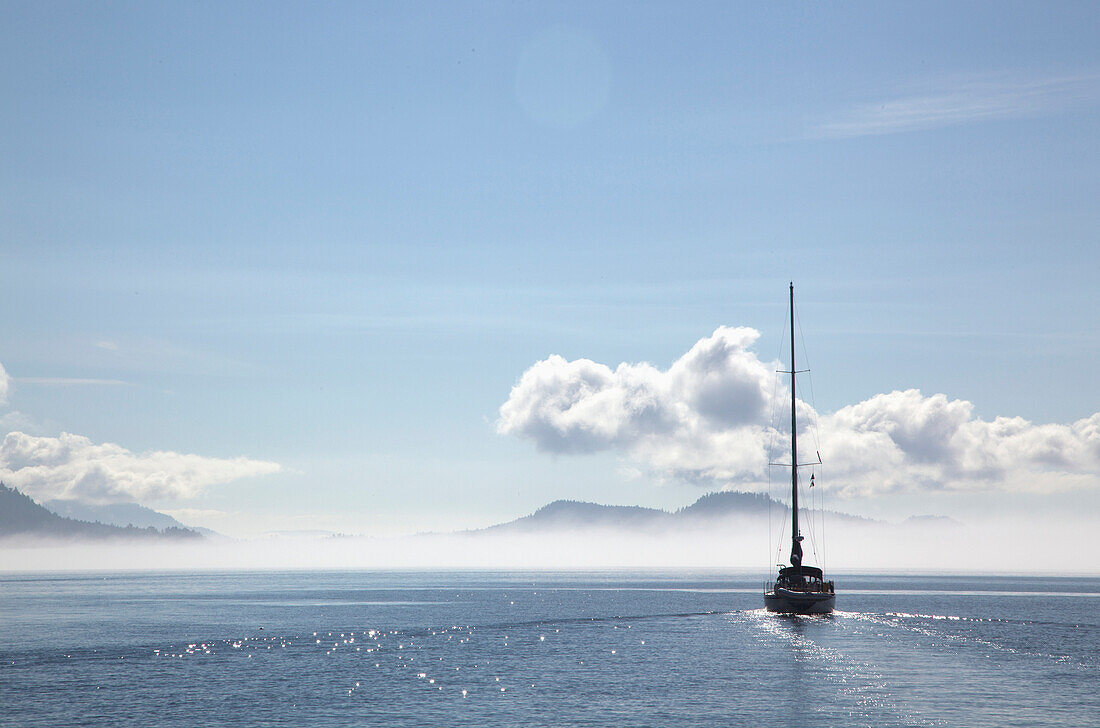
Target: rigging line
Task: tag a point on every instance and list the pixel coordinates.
(817, 546)
(821, 517)
(820, 526)
(814, 432)
(824, 530)
(817, 523)
(810, 376)
(769, 485)
(810, 527)
(771, 447)
(811, 531)
(821, 523)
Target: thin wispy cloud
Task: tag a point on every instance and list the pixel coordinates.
(73, 467)
(71, 381)
(962, 101)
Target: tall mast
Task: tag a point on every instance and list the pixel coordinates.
(796, 537)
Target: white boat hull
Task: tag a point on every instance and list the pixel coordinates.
(787, 601)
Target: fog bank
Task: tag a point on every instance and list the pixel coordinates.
(1005, 546)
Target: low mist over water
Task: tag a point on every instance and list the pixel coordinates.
(1001, 547)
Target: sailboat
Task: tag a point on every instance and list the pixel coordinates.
(799, 588)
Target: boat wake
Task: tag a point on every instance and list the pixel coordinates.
(945, 629)
(859, 683)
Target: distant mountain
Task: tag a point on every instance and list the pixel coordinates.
(113, 514)
(303, 534)
(946, 522)
(567, 514)
(22, 516)
(729, 503)
(710, 509)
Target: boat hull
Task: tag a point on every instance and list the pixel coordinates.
(786, 601)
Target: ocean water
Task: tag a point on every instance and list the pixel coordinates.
(543, 649)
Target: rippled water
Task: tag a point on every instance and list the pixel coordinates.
(534, 649)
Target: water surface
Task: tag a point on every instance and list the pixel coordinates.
(675, 648)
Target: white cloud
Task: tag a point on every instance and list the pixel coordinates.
(711, 418)
(936, 443)
(699, 420)
(962, 101)
(72, 466)
(5, 384)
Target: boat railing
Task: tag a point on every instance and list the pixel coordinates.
(810, 586)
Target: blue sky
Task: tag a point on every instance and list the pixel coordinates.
(333, 237)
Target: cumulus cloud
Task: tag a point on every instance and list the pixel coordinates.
(712, 418)
(5, 384)
(903, 440)
(72, 466)
(699, 420)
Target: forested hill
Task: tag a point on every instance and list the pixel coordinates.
(711, 509)
(21, 516)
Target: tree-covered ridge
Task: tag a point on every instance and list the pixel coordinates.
(20, 515)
